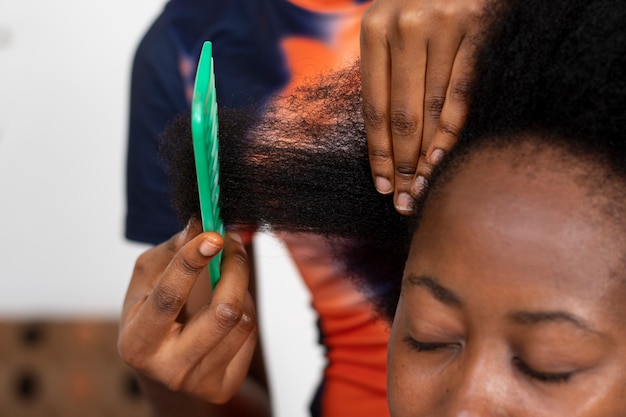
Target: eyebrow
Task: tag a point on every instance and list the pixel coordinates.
(525, 318)
(437, 290)
(528, 318)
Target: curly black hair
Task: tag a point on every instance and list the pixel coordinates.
(554, 70)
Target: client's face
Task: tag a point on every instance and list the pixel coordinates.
(513, 300)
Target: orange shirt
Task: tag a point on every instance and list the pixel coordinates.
(355, 338)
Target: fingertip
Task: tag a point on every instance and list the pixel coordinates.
(436, 156)
(418, 186)
(404, 203)
(211, 244)
(383, 185)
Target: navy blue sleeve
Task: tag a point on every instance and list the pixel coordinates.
(156, 96)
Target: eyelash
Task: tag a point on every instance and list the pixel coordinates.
(427, 347)
(542, 376)
(521, 365)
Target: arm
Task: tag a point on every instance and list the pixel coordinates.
(194, 357)
(416, 65)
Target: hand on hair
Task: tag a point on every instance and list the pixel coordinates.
(416, 62)
(208, 353)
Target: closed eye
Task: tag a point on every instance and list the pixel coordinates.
(427, 346)
(542, 376)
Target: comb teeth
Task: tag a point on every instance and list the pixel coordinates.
(204, 127)
(212, 149)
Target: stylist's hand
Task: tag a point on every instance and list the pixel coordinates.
(416, 63)
(207, 354)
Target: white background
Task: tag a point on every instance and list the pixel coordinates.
(64, 75)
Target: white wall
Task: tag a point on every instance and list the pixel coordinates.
(63, 88)
(64, 74)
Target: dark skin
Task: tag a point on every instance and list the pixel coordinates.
(513, 300)
(154, 343)
(416, 67)
(169, 309)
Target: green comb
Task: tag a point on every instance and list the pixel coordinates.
(205, 147)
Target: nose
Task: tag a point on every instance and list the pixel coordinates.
(480, 388)
(473, 408)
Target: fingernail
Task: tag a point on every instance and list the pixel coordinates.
(208, 248)
(247, 321)
(236, 237)
(188, 226)
(436, 157)
(383, 185)
(405, 202)
(193, 223)
(419, 185)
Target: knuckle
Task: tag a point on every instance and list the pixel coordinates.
(373, 23)
(434, 106)
(143, 261)
(373, 116)
(460, 90)
(405, 169)
(403, 123)
(411, 20)
(227, 315)
(380, 156)
(239, 259)
(449, 129)
(424, 18)
(473, 10)
(188, 267)
(446, 12)
(167, 300)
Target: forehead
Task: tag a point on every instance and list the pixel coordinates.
(521, 221)
(534, 180)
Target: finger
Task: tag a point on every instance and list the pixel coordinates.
(229, 359)
(157, 317)
(453, 115)
(226, 308)
(240, 364)
(375, 84)
(222, 326)
(408, 55)
(151, 264)
(443, 50)
(237, 369)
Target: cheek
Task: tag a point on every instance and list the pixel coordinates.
(413, 387)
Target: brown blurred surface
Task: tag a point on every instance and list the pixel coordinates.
(65, 368)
